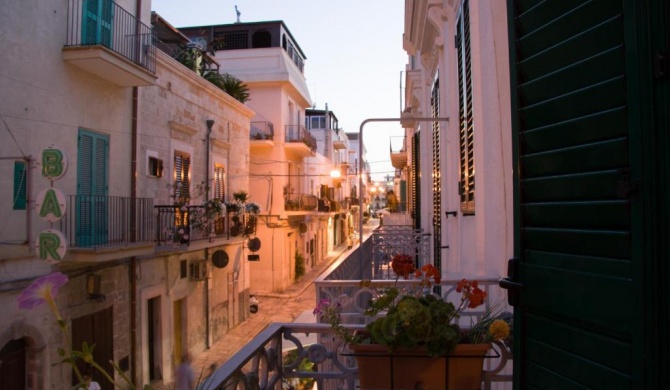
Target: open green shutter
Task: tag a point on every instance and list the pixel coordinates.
(96, 21)
(20, 185)
(577, 317)
(416, 179)
(437, 179)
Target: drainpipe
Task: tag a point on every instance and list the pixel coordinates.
(210, 124)
(132, 271)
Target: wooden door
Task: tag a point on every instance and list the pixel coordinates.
(96, 329)
(13, 365)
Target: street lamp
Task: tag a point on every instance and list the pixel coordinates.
(360, 169)
(335, 174)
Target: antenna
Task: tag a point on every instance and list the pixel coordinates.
(238, 14)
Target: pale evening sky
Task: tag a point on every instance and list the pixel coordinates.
(353, 49)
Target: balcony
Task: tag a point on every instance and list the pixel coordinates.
(339, 144)
(99, 227)
(300, 202)
(176, 227)
(262, 134)
(299, 141)
(260, 363)
(398, 152)
(107, 41)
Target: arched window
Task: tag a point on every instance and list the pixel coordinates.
(261, 38)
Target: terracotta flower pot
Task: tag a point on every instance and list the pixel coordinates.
(380, 369)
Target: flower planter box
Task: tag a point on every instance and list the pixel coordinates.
(380, 369)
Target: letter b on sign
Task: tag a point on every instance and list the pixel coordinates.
(54, 163)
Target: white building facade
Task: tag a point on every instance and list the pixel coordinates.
(288, 167)
(101, 128)
(459, 171)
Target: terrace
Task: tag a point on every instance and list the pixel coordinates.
(261, 364)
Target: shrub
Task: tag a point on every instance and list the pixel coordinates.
(299, 265)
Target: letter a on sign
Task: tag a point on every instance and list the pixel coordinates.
(50, 204)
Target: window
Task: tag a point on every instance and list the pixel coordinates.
(318, 122)
(155, 167)
(219, 182)
(183, 269)
(20, 177)
(466, 125)
(233, 40)
(182, 176)
(261, 38)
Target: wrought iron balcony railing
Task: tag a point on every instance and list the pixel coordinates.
(175, 225)
(94, 22)
(300, 202)
(262, 130)
(261, 365)
(298, 133)
(104, 221)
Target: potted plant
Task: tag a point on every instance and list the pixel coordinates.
(413, 331)
(244, 214)
(252, 209)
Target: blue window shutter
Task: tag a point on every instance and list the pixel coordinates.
(20, 177)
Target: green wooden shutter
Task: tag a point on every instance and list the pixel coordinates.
(579, 323)
(97, 22)
(20, 184)
(416, 179)
(466, 121)
(92, 189)
(437, 180)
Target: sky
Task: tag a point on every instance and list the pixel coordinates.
(353, 49)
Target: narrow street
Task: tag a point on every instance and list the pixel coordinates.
(276, 307)
(273, 307)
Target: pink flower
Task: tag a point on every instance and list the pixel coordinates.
(322, 306)
(43, 290)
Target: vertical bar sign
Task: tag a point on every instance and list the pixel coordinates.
(51, 207)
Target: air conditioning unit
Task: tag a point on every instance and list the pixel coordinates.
(198, 270)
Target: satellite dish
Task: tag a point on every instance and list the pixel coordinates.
(254, 244)
(303, 228)
(220, 259)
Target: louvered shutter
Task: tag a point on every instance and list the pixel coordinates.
(92, 202)
(466, 123)
(97, 22)
(107, 9)
(592, 256)
(416, 180)
(437, 179)
(219, 182)
(182, 191)
(20, 177)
